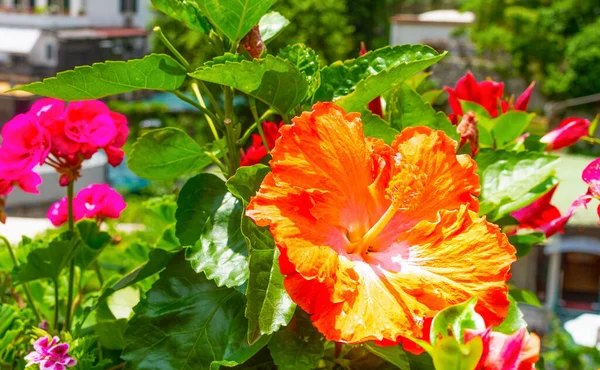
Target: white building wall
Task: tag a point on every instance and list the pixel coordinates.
(107, 13)
(40, 55)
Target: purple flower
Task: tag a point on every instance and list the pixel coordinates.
(50, 355)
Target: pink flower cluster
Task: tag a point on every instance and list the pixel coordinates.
(50, 355)
(97, 201)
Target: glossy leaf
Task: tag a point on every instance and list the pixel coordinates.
(186, 322)
(184, 11)
(374, 126)
(392, 354)
(407, 109)
(221, 252)
(432, 96)
(166, 153)
(269, 306)
(234, 18)
(449, 354)
(198, 201)
(415, 81)
(511, 180)
(358, 81)
(525, 296)
(509, 126)
(271, 25)
(153, 72)
(514, 319)
(307, 62)
(94, 242)
(454, 320)
(272, 80)
(299, 349)
(47, 263)
(524, 242)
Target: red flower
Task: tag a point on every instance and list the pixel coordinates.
(257, 151)
(568, 133)
(518, 351)
(485, 93)
(375, 104)
(544, 217)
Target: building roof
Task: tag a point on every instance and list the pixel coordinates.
(18, 40)
(99, 33)
(443, 16)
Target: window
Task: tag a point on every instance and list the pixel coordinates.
(49, 52)
(129, 6)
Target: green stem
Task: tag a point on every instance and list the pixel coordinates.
(234, 155)
(211, 98)
(592, 140)
(25, 285)
(217, 162)
(56, 305)
(241, 142)
(206, 112)
(261, 132)
(72, 264)
(99, 273)
(159, 33)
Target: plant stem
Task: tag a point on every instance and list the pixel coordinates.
(56, 305)
(217, 162)
(242, 141)
(592, 140)
(261, 132)
(99, 273)
(159, 33)
(234, 157)
(181, 96)
(211, 98)
(25, 285)
(72, 264)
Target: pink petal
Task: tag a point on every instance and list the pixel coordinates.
(523, 99)
(115, 155)
(29, 181)
(592, 171)
(568, 133)
(101, 131)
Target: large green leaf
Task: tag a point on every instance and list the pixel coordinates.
(524, 241)
(525, 296)
(511, 180)
(94, 242)
(509, 126)
(271, 25)
(272, 80)
(407, 109)
(184, 11)
(307, 61)
(392, 354)
(269, 306)
(453, 321)
(198, 201)
(47, 263)
(299, 349)
(514, 318)
(187, 322)
(166, 153)
(221, 252)
(234, 18)
(358, 81)
(153, 72)
(374, 126)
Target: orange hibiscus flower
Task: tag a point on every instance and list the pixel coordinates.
(375, 238)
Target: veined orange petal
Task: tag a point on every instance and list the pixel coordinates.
(375, 239)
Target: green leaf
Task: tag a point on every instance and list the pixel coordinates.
(392, 354)
(420, 362)
(47, 263)
(524, 242)
(153, 72)
(415, 81)
(300, 349)
(307, 62)
(234, 18)
(511, 180)
(432, 96)
(454, 320)
(198, 200)
(110, 333)
(221, 252)
(514, 319)
(186, 322)
(525, 296)
(449, 354)
(166, 153)
(269, 306)
(593, 126)
(271, 25)
(408, 110)
(358, 81)
(184, 11)
(374, 126)
(272, 80)
(509, 126)
(94, 242)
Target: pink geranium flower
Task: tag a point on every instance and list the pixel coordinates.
(25, 143)
(591, 176)
(257, 151)
(97, 201)
(486, 93)
(544, 217)
(518, 351)
(568, 133)
(50, 355)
